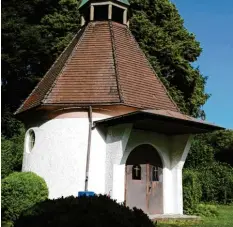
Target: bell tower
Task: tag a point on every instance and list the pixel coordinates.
(114, 10)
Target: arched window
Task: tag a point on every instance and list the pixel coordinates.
(30, 140)
(136, 172)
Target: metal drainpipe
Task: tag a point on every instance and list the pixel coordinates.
(88, 147)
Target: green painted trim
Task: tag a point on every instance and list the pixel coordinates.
(124, 2)
(83, 2)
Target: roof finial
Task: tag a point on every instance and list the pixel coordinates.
(115, 10)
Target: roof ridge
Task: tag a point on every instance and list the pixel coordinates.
(159, 80)
(115, 62)
(68, 59)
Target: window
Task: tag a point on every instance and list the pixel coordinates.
(30, 140)
(117, 14)
(136, 172)
(101, 13)
(155, 173)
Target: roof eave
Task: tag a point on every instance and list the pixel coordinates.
(183, 126)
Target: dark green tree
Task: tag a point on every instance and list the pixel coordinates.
(12, 153)
(171, 49)
(210, 156)
(210, 148)
(33, 34)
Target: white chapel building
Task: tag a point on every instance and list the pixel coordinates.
(101, 120)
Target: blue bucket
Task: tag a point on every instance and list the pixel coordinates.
(85, 193)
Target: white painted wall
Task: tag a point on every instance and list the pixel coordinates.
(97, 163)
(117, 138)
(59, 156)
(118, 183)
(59, 153)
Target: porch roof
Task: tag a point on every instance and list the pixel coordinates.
(161, 121)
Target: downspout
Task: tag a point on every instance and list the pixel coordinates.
(88, 147)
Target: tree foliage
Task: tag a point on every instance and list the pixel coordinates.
(171, 49)
(34, 33)
(12, 154)
(21, 191)
(192, 192)
(217, 183)
(210, 158)
(208, 148)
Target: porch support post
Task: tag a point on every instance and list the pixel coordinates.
(125, 17)
(180, 148)
(82, 21)
(167, 191)
(110, 11)
(177, 190)
(92, 13)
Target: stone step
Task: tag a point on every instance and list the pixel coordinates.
(167, 217)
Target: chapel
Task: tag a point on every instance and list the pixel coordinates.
(101, 120)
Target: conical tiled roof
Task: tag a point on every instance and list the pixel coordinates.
(102, 65)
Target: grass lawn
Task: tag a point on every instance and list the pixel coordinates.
(225, 219)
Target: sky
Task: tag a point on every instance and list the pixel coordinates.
(212, 23)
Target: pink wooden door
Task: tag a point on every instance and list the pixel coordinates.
(136, 186)
(144, 188)
(155, 190)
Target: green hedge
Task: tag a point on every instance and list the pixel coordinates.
(192, 192)
(20, 191)
(209, 184)
(96, 211)
(217, 183)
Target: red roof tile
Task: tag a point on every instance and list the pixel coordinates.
(102, 65)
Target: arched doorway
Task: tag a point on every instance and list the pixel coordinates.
(144, 180)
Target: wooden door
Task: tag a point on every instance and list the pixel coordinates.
(136, 186)
(143, 180)
(154, 190)
(144, 188)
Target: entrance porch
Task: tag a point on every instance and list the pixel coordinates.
(145, 154)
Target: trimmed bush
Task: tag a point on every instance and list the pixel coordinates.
(20, 191)
(95, 211)
(191, 191)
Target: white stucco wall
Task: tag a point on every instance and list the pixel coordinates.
(117, 139)
(59, 156)
(60, 150)
(97, 163)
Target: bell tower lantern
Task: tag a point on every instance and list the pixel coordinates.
(102, 10)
